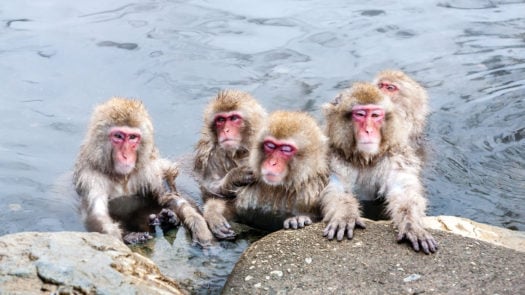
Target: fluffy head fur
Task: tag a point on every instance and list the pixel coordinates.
(340, 129)
(117, 111)
(311, 158)
(411, 97)
(234, 100)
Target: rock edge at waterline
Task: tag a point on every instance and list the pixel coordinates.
(76, 263)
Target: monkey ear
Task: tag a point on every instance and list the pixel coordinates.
(336, 100)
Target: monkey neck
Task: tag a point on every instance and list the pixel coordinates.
(357, 158)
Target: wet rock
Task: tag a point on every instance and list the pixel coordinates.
(373, 263)
(76, 263)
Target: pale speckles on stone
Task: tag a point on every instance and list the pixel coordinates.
(411, 278)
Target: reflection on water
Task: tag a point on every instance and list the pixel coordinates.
(60, 58)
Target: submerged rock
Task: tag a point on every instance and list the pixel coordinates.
(373, 263)
(76, 263)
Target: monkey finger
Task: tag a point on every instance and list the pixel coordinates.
(225, 234)
(432, 245)
(350, 231)
(425, 247)
(227, 225)
(340, 233)
(360, 222)
(415, 243)
(293, 223)
(308, 221)
(329, 232)
(325, 230)
(400, 237)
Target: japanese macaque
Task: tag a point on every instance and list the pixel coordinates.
(118, 172)
(231, 121)
(372, 157)
(410, 97)
(289, 162)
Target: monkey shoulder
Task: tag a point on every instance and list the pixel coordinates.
(204, 150)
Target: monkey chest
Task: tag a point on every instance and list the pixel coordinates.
(367, 185)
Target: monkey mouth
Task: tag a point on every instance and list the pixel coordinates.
(370, 147)
(271, 178)
(229, 143)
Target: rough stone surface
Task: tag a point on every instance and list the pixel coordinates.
(76, 263)
(303, 262)
(471, 229)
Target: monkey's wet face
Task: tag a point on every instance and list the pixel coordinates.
(367, 121)
(277, 154)
(125, 141)
(228, 126)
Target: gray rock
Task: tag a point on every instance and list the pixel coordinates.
(76, 263)
(373, 263)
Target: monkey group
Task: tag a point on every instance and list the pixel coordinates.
(270, 171)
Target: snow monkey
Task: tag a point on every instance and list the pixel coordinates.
(289, 162)
(410, 97)
(231, 121)
(118, 170)
(373, 156)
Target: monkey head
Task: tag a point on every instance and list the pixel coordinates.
(120, 138)
(400, 88)
(290, 150)
(362, 122)
(232, 119)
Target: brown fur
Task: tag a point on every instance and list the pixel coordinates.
(212, 163)
(412, 100)
(299, 194)
(393, 173)
(97, 183)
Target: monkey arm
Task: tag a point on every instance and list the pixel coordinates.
(406, 205)
(190, 216)
(340, 211)
(170, 170)
(216, 213)
(91, 187)
(96, 216)
(227, 186)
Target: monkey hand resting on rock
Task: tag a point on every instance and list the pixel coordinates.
(118, 171)
(373, 156)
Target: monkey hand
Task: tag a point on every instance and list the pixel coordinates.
(166, 219)
(297, 222)
(341, 224)
(416, 235)
(200, 233)
(220, 227)
(136, 237)
(240, 176)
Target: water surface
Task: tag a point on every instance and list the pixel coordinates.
(60, 58)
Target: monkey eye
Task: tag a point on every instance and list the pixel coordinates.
(359, 113)
(269, 146)
(389, 87)
(234, 118)
(118, 136)
(220, 120)
(134, 138)
(287, 149)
